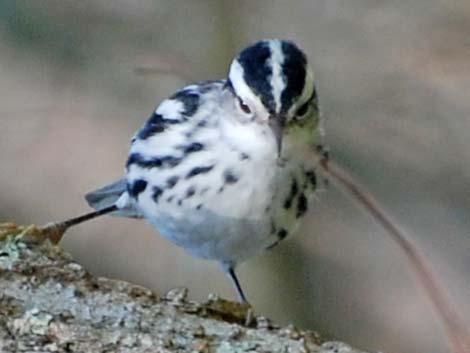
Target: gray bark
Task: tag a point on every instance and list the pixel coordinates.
(49, 303)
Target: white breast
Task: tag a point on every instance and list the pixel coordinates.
(228, 201)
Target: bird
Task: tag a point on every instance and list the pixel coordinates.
(220, 168)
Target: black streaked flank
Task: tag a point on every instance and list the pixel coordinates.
(294, 189)
(155, 119)
(302, 205)
(170, 161)
(193, 147)
(136, 187)
(154, 125)
(199, 170)
(257, 72)
(294, 69)
(155, 162)
(190, 192)
(190, 101)
(171, 181)
(202, 123)
(282, 233)
(244, 156)
(230, 177)
(311, 177)
(157, 192)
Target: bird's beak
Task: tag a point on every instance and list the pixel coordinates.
(276, 123)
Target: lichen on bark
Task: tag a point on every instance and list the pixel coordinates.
(49, 303)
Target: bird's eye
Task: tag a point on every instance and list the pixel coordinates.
(246, 109)
(303, 110)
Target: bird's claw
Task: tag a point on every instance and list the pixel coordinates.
(31, 233)
(249, 316)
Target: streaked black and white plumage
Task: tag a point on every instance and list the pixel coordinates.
(218, 168)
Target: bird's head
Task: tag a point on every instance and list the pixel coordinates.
(273, 84)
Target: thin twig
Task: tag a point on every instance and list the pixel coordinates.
(455, 329)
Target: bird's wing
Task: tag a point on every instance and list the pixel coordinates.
(108, 195)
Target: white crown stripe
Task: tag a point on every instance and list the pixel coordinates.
(278, 81)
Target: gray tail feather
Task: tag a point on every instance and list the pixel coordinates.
(108, 195)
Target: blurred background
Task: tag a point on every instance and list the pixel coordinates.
(77, 78)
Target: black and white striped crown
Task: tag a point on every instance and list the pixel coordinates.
(272, 72)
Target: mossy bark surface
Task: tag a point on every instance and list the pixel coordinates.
(49, 303)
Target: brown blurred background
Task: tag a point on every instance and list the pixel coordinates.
(394, 83)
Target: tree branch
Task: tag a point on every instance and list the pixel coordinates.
(454, 327)
(50, 303)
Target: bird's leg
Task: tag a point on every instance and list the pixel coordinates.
(56, 230)
(230, 270)
(236, 284)
(52, 231)
(86, 217)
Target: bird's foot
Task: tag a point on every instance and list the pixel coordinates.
(240, 312)
(249, 315)
(32, 233)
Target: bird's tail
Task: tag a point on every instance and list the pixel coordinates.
(108, 195)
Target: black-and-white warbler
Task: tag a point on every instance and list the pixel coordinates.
(219, 168)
